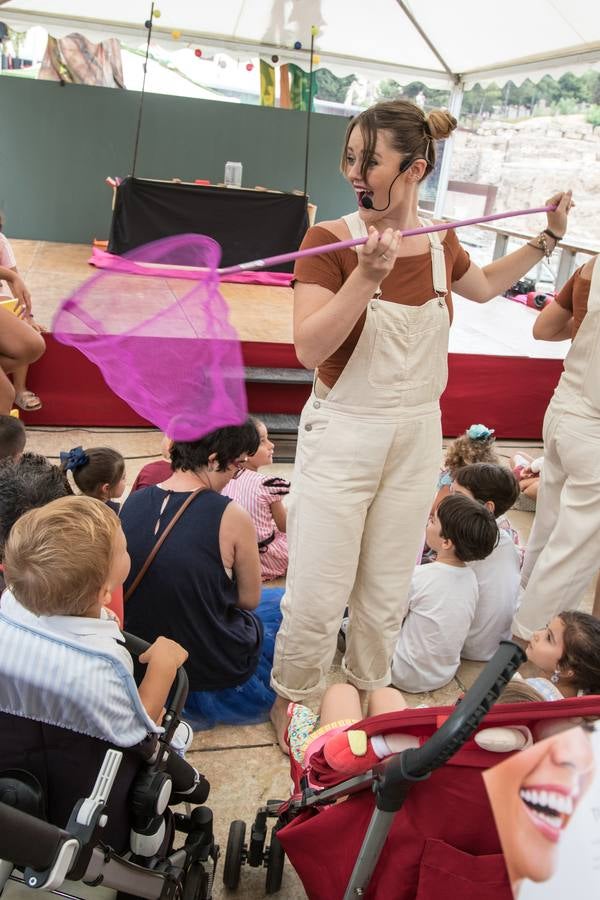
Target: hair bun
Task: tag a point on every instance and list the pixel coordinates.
(440, 123)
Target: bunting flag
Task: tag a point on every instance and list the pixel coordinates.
(300, 88)
(285, 101)
(267, 84)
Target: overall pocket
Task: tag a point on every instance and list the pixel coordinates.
(411, 351)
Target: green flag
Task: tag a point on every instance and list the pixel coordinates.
(300, 88)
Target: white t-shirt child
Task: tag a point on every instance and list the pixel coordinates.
(498, 577)
(441, 608)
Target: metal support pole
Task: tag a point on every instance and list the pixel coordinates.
(150, 22)
(309, 111)
(371, 848)
(454, 106)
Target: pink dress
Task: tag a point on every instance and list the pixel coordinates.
(256, 493)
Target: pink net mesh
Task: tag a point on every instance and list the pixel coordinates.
(168, 351)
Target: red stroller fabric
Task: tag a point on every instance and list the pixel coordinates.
(443, 842)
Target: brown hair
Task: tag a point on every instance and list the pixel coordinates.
(490, 481)
(470, 526)
(94, 468)
(464, 451)
(581, 641)
(12, 437)
(520, 691)
(412, 132)
(57, 557)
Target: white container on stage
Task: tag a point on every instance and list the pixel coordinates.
(233, 174)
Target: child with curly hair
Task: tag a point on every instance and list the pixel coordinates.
(476, 445)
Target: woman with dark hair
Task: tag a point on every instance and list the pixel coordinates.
(202, 587)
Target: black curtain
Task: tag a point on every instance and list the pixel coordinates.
(247, 224)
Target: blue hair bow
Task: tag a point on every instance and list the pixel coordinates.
(479, 433)
(74, 459)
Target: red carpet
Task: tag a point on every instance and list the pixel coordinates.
(509, 394)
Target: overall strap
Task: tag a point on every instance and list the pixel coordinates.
(357, 229)
(355, 224)
(438, 262)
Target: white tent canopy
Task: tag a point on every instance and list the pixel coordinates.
(438, 42)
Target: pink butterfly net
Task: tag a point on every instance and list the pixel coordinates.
(169, 351)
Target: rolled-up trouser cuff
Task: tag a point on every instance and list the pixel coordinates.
(298, 696)
(362, 684)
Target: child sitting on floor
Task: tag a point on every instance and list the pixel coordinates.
(443, 595)
(350, 751)
(157, 471)
(98, 472)
(262, 496)
(567, 651)
(61, 563)
(527, 470)
(12, 437)
(499, 574)
(476, 445)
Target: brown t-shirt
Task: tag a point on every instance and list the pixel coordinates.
(574, 297)
(410, 282)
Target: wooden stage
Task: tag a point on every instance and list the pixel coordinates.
(498, 374)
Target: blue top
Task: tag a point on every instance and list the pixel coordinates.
(186, 594)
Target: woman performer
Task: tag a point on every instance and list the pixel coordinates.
(374, 324)
(564, 545)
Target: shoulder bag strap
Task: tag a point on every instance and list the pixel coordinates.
(136, 581)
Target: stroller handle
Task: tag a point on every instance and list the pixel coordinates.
(28, 841)
(414, 765)
(176, 702)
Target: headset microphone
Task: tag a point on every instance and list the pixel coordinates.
(367, 203)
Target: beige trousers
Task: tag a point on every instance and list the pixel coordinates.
(367, 461)
(563, 552)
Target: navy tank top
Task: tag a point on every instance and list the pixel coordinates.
(186, 594)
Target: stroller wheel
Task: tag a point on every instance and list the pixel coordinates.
(196, 885)
(234, 854)
(275, 863)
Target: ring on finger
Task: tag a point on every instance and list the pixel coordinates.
(385, 257)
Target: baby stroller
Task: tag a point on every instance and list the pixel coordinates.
(88, 797)
(418, 826)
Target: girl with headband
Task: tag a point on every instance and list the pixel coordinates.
(373, 322)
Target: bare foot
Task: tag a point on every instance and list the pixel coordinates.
(279, 720)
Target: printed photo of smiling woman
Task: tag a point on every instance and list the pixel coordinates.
(543, 801)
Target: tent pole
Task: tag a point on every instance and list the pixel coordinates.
(454, 105)
(309, 111)
(150, 22)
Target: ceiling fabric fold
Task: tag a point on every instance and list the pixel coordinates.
(478, 40)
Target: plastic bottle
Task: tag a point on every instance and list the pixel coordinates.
(233, 174)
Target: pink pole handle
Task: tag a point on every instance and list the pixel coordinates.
(342, 245)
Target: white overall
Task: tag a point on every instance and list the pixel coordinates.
(563, 552)
(368, 457)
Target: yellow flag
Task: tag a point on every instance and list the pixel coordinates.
(267, 84)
